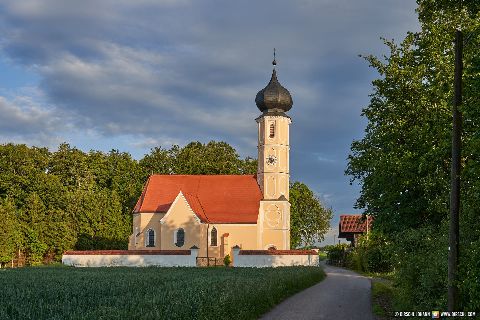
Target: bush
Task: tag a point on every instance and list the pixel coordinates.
(469, 269)
(36, 249)
(378, 253)
(227, 261)
(470, 275)
(373, 253)
(421, 268)
(322, 255)
(353, 260)
(336, 254)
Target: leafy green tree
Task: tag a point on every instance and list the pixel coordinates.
(22, 169)
(72, 167)
(9, 231)
(309, 219)
(211, 158)
(403, 161)
(158, 161)
(125, 179)
(99, 220)
(61, 235)
(196, 158)
(249, 166)
(34, 229)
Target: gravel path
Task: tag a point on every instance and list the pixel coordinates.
(342, 295)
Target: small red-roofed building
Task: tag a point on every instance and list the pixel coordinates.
(217, 212)
(351, 226)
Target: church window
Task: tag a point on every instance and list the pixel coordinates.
(272, 130)
(213, 237)
(180, 237)
(150, 238)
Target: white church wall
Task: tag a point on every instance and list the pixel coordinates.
(132, 258)
(275, 258)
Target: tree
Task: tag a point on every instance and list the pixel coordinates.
(159, 161)
(125, 177)
(309, 219)
(34, 228)
(9, 231)
(249, 166)
(211, 158)
(22, 170)
(71, 166)
(403, 161)
(197, 158)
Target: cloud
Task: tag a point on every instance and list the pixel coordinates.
(25, 121)
(138, 73)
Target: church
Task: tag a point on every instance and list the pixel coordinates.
(218, 212)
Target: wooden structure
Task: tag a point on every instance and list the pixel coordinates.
(351, 226)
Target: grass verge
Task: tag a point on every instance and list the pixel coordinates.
(380, 275)
(382, 298)
(149, 293)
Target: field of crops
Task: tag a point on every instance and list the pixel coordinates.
(148, 293)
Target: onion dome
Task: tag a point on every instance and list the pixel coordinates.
(274, 96)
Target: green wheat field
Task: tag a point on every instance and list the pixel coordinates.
(148, 293)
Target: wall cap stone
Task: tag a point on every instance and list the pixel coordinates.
(129, 252)
(277, 252)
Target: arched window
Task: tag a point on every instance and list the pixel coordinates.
(150, 238)
(272, 130)
(213, 237)
(179, 237)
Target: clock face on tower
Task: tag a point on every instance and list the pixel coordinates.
(271, 160)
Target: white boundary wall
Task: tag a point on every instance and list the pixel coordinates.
(130, 260)
(248, 258)
(263, 260)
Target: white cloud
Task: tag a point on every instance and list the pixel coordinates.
(23, 120)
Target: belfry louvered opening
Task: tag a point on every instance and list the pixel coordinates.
(272, 130)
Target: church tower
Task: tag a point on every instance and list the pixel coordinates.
(273, 173)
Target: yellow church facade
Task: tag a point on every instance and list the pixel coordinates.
(217, 212)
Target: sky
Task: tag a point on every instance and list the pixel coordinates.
(132, 75)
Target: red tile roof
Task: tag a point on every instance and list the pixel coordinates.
(354, 223)
(213, 198)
